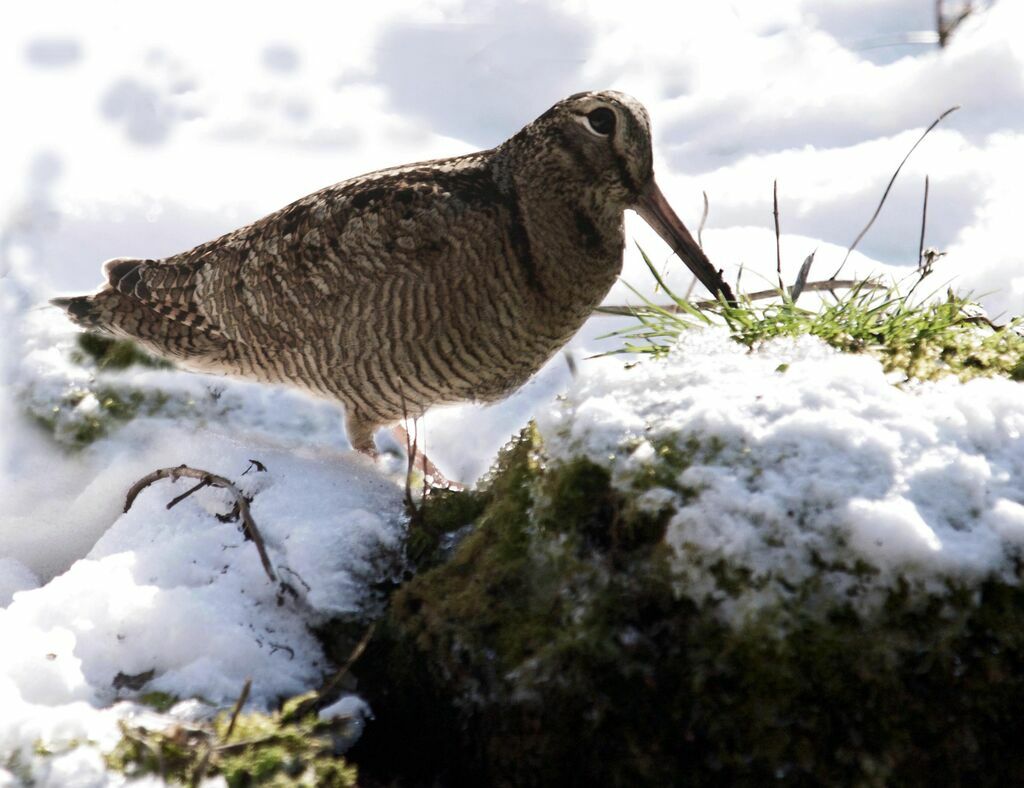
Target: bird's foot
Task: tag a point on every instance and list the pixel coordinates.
(432, 475)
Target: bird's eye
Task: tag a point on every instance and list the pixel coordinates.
(602, 121)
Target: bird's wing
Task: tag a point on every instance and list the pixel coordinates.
(334, 253)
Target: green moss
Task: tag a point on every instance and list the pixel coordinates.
(59, 413)
(552, 646)
(262, 749)
(158, 701)
(109, 353)
(76, 429)
(438, 515)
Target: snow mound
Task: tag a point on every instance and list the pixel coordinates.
(803, 478)
(176, 601)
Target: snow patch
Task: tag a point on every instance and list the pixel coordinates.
(824, 471)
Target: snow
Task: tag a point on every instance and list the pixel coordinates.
(183, 595)
(14, 576)
(141, 131)
(349, 706)
(802, 457)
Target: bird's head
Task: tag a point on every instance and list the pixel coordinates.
(599, 143)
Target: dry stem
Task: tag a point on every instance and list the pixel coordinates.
(206, 479)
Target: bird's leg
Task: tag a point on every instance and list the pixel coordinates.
(360, 434)
(422, 461)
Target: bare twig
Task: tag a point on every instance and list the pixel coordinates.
(410, 458)
(778, 245)
(242, 698)
(885, 194)
(175, 501)
(204, 762)
(326, 692)
(824, 285)
(925, 258)
(924, 222)
(945, 26)
(259, 466)
(211, 480)
(297, 576)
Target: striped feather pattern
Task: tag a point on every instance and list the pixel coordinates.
(444, 281)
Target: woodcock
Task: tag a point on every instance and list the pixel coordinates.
(438, 282)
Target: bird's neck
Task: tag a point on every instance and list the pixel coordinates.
(577, 242)
(572, 233)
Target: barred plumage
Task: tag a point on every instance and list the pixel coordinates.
(444, 281)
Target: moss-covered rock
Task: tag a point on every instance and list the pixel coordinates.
(254, 749)
(553, 648)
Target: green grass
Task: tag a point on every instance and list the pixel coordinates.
(922, 340)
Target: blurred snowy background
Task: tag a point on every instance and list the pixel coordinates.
(144, 130)
(141, 130)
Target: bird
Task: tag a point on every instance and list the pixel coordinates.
(432, 283)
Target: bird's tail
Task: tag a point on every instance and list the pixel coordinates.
(82, 311)
(99, 310)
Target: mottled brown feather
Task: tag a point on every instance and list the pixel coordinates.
(442, 281)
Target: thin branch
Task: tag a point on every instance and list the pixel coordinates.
(945, 26)
(175, 501)
(242, 698)
(410, 459)
(925, 259)
(810, 287)
(211, 480)
(924, 221)
(778, 245)
(885, 194)
(330, 687)
(259, 466)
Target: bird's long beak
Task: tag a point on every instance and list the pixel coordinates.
(655, 210)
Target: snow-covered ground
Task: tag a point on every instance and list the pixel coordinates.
(136, 129)
(802, 457)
